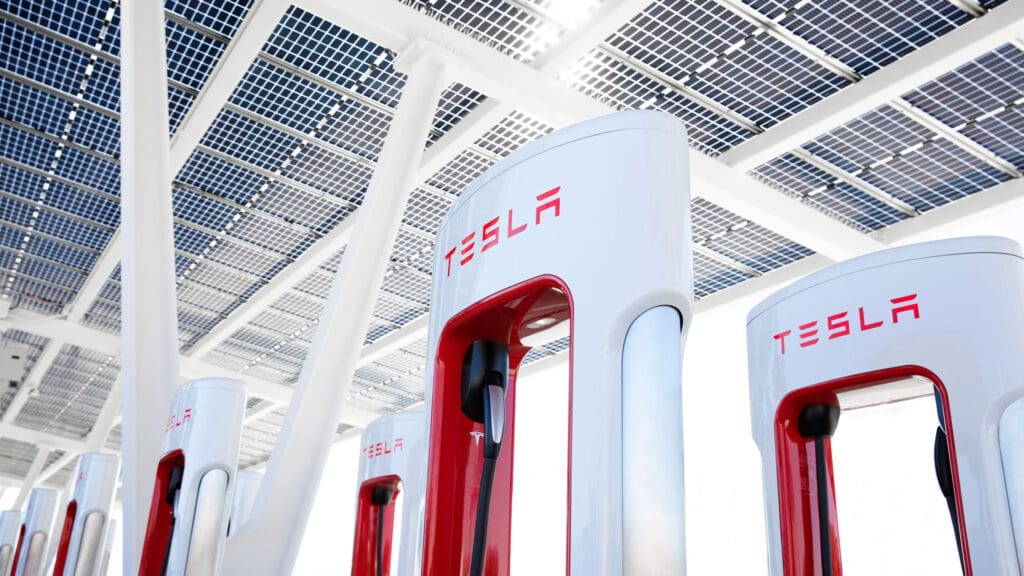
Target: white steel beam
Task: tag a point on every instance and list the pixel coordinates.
(768, 207)
(953, 49)
(30, 478)
(298, 458)
(57, 465)
(395, 25)
(953, 218)
(836, 66)
(610, 16)
(149, 334)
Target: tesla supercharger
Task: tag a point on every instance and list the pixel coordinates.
(393, 461)
(192, 493)
(83, 535)
(587, 226)
(949, 313)
(34, 535)
(10, 526)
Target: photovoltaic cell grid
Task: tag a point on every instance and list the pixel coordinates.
(72, 393)
(983, 100)
(16, 457)
(502, 25)
(625, 87)
(869, 34)
(796, 177)
(741, 240)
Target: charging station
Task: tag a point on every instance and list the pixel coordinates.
(192, 493)
(82, 539)
(587, 229)
(34, 536)
(10, 526)
(946, 313)
(392, 462)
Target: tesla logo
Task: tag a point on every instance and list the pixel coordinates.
(476, 437)
(175, 420)
(844, 323)
(503, 226)
(379, 449)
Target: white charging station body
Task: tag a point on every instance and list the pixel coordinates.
(395, 447)
(38, 530)
(604, 208)
(10, 527)
(950, 312)
(95, 485)
(203, 433)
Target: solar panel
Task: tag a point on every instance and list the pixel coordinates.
(741, 240)
(191, 56)
(798, 178)
(984, 85)
(38, 58)
(869, 34)
(322, 48)
(705, 129)
(102, 83)
(766, 81)
(1003, 134)
(250, 141)
(873, 137)
(515, 130)
(223, 16)
(455, 103)
(710, 276)
(81, 20)
(934, 175)
(501, 25)
(277, 94)
(677, 37)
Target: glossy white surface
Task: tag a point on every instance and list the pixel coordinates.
(970, 294)
(95, 485)
(206, 424)
(39, 520)
(410, 465)
(10, 525)
(622, 245)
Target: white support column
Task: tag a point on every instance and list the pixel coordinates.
(31, 477)
(149, 334)
(297, 461)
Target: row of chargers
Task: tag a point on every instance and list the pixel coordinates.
(889, 316)
(85, 536)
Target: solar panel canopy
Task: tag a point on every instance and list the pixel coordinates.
(288, 157)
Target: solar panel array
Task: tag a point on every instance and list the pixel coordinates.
(290, 156)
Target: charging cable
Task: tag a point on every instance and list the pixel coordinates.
(819, 421)
(381, 498)
(484, 374)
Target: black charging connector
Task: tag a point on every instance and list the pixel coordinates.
(381, 497)
(484, 379)
(819, 421)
